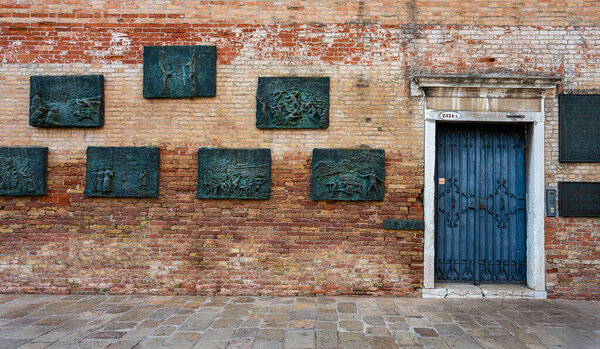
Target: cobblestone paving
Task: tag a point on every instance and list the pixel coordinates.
(28, 321)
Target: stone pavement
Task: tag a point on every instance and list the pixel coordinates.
(99, 321)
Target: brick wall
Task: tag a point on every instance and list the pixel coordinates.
(572, 243)
(67, 242)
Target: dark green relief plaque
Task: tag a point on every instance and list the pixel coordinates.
(348, 174)
(234, 173)
(180, 71)
(23, 171)
(66, 101)
(579, 199)
(292, 102)
(579, 128)
(122, 172)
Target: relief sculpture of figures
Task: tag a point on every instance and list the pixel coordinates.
(179, 71)
(102, 180)
(66, 101)
(348, 174)
(14, 177)
(234, 173)
(122, 171)
(143, 180)
(292, 102)
(23, 171)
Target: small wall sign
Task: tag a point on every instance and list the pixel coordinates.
(449, 115)
(403, 224)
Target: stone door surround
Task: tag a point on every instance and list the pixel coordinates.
(489, 99)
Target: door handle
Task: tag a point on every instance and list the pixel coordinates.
(473, 202)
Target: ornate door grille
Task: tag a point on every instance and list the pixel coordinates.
(480, 204)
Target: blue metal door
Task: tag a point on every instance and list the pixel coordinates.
(480, 219)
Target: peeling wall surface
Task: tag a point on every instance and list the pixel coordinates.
(289, 244)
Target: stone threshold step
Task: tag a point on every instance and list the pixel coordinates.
(492, 291)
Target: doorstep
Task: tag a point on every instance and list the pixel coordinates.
(495, 291)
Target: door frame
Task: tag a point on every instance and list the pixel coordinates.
(519, 98)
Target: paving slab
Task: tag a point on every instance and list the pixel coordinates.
(346, 307)
(301, 324)
(353, 340)
(303, 314)
(327, 339)
(405, 338)
(51, 336)
(150, 343)
(378, 331)
(374, 320)
(126, 344)
(244, 332)
(218, 334)
(226, 323)
(351, 326)
(239, 343)
(383, 343)
(146, 321)
(198, 322)
(163, 331)
(449, 329)
(185, 336)
(34, 345)
(299, 340)
(425, 332)
(267, 344)
(327, 325)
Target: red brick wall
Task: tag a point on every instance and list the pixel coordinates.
(66, 242)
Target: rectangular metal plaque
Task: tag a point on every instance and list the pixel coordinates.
(579, 199)
(23, 171)
(550, 202)
(180, 71)
(403, 224)
(66, 101)
(579, 128)
(348, 174)
(234, 173)
(292, 102)
(122, 172)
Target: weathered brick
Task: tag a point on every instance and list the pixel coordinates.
(287, 245)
